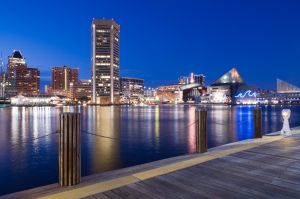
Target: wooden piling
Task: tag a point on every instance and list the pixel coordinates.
(69, 149)
(201, 130)
(257, 120)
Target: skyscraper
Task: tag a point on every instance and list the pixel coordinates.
(20, 78)
(105, 61)
(15, 61)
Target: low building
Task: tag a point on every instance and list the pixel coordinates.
(287, 93)
(246, 95)
(8, 88)
(149, 92)
(267, 97)
(40, 100)
(132, 89)
(81, 90)
(192, 88)
(169, 93)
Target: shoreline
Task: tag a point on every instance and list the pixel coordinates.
(109, 180)
(146, 105)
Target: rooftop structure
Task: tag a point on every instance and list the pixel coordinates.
(192, 79)
(231, 77)
(284, 87)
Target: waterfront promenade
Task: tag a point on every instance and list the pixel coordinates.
(262, 168)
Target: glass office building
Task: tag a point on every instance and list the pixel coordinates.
(105, 61)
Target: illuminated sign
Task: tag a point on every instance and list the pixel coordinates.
(247, 93)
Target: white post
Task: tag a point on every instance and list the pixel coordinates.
(286, 113)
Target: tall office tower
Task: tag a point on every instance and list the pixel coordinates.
(20, 79)
(62, 77)
(15, 61)
(105, 61)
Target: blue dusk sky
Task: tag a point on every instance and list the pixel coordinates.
(160, 39)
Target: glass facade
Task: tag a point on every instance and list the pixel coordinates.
(231, 77)
(105, 61)
(21, 79)
(132, 87)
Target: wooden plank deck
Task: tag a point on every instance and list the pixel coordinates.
(268, 171)
(260, 168)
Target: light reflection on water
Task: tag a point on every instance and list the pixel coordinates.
(144, 134)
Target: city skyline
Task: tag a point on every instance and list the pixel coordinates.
(212, 39)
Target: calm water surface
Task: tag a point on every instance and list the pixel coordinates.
(143, 134)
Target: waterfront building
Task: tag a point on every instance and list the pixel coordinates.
(267, 96)
(8, 88)
(245, 94)
(20, 78)
(132, 88)
(62, 77)
(150, 96)
(192, 87)
(149, 92)
(230, 88)
(39, 100)
(169, 93)
(105, 61)
(287, 93)
(81, 90)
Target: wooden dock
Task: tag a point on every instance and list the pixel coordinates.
(262, 168)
